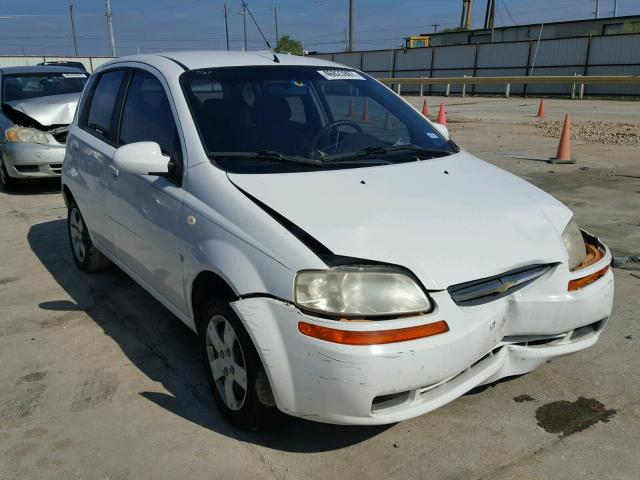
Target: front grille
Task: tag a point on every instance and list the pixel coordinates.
(27, 168)
(486, 290)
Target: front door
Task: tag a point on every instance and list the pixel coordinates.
(146, 208)
(91, 146)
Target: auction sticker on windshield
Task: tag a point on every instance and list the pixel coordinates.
(340, 75)
(74, 75)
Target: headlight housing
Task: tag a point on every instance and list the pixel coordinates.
(574, 243)
(359, 291)
(25, 135)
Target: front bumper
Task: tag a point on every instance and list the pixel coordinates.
(379, 384)
(32, 160)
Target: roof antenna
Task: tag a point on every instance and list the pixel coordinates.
(275, 58)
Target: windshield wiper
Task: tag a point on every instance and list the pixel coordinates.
(268, 155)
(384, 149)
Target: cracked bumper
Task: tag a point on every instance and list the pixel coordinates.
(379, 384)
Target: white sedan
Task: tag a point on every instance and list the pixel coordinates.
(340, 257)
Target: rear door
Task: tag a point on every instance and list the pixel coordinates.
(90, 149)
(145, 208)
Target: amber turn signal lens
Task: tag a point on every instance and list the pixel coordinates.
(11, 135)
(377, 337)
(579, 283)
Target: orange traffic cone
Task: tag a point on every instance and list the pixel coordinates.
(442, 117)
(563, 155)
(425, 108)
(365, 112)
(541, 109)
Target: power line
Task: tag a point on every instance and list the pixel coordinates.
(508, 11)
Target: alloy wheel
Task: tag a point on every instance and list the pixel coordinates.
(226, 362)
(3, 176)
(76, 229)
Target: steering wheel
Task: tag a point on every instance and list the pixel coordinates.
(331, 126)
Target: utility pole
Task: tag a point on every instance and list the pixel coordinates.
(490, 14)
(346, 40)
(226, 25)
(112, 42)
(597, 8)
(350, 26)
(73, 29)
(275, 16)
(435, 27)
(615, 8)
(492, 18)
(244, 25)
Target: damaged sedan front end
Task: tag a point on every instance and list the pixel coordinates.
(38, 104)
(339, 256)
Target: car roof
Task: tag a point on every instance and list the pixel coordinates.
(37, 69)
(191, 60)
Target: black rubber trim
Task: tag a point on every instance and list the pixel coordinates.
(264, 295)
(184, 67)
(310, 242)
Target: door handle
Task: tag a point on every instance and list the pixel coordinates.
(114, 171)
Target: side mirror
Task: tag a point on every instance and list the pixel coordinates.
(141, 158)
(442, 130)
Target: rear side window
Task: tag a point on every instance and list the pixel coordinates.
(103, 102)
(147, 115)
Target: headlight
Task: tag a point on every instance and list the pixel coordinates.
(25, 135)
(359, 291)
(574, 243)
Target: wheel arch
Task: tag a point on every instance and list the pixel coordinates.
(208, 284)
(67, 195)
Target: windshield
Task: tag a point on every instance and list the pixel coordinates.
(23, 86)
(283, 118)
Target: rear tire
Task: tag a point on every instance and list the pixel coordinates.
(8, 183)
(87, 257)
(238, 380)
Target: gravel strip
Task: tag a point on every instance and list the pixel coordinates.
(592, 131)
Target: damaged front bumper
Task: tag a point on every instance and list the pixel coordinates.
(380, 384)
(33, 160)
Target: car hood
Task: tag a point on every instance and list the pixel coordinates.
(449, 220)
(49, 110)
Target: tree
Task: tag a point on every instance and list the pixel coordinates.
(286, 44)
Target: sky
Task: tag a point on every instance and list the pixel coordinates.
(43, 27)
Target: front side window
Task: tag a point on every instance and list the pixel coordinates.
(16, 87)
(292, 118)
(147, 115)
(103, 102)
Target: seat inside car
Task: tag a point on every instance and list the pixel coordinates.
(272, 128)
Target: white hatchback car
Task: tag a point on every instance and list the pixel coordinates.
(341, 259)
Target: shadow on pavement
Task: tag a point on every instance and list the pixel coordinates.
(166, 350)
(35, 187)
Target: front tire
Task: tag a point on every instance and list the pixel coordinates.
(8, 183)
(236, 376)
(87, 257)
